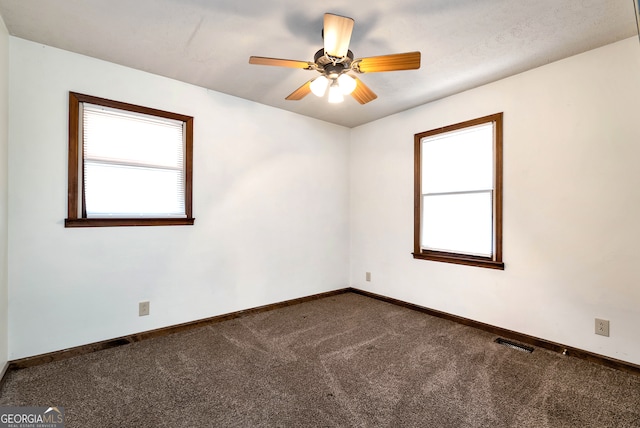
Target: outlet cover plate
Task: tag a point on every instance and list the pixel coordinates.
(143, 309)
(602, 327)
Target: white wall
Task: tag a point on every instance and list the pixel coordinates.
(270, 202)
(571, 204)
(272, 208)
(4, 118)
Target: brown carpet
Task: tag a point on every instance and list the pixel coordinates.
(342, 361)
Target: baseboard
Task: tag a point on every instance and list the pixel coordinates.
(498, 331)
(3, 374)
(510, 334)
(123, 340)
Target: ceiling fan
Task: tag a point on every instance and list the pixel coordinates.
(337, 66)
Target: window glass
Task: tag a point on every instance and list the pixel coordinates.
(133, 164)
(458, 160)
(458, 223)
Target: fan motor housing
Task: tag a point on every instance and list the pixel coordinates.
(332, 64)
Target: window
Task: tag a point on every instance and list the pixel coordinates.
(458, 193)
(128, 165)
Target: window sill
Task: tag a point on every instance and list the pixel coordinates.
(460, 260)
(114, 222)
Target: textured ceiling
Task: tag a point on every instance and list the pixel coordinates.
(464, 43)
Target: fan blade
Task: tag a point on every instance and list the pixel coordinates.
(337, 35)
(362, 93)
(394, 62)
(300, 93)
(260, 60)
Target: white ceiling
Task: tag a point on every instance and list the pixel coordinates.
(464, 43)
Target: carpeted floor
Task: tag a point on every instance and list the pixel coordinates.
(342, 361)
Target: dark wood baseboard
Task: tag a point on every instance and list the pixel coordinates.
(3, 374)
(123, 340)
(513, 335)
(508, 334)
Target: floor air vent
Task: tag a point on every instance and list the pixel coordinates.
(514, 345)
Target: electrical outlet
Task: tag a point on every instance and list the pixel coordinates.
(143, 309)
(367, 276)
(602, 327)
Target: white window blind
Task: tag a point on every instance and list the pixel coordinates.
(133, 164)
(457, 191)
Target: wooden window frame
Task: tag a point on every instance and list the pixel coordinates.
(493, 262)
(77, 216)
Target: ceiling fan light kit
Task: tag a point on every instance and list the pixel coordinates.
(319, 86)
(344, 82)
(347, 84)
(335, 93)
(337, 66)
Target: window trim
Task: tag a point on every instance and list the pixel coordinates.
(494, 262)
(73, 208)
